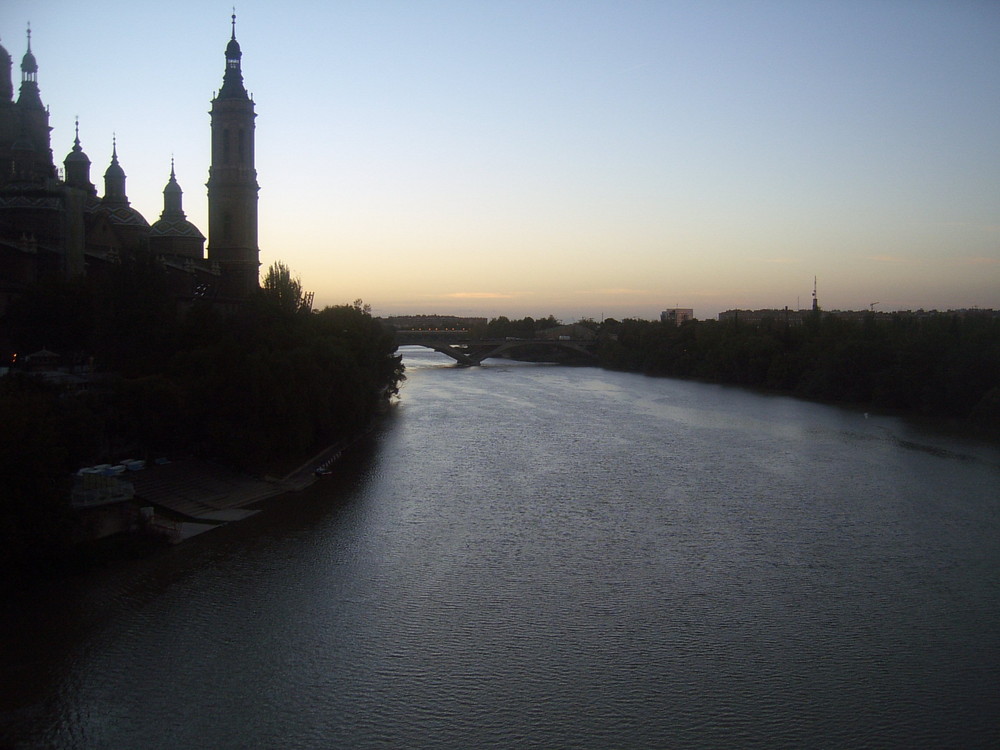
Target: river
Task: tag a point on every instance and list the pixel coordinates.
(540, 556)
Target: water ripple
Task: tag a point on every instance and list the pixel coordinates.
(556, 557)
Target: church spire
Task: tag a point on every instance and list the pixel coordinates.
(77, 165)
(29, 66)
(172, 197)
(232, 81)
(77, 149)
(172, 234)
(114, 178)
(28, 96)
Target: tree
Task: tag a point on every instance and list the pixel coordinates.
(281, 288)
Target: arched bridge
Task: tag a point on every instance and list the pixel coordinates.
(470, 352)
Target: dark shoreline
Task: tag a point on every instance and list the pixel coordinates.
(951, 425)
(86, 557)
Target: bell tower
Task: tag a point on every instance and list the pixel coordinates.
(232, 181)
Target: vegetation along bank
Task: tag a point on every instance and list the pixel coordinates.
(252, 385)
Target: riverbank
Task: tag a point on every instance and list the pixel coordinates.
(188, 497)
(191, 496)
(985, 429)
(939, 365)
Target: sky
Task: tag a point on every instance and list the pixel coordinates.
(580, 158)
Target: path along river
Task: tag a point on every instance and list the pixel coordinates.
(538, 556)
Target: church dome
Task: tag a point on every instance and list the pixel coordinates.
(172, 222)
(175, 227)
(114, 170)
(77, 165)
(28, 63)
(123, 216)
(76, 155)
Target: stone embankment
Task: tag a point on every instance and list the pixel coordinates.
(190, 496)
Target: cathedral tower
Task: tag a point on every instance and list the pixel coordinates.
(32, 150)
(232, 181)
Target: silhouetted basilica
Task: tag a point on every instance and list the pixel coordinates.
(58, 227)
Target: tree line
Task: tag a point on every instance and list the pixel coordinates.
(503, 327)
(935, 364)
(940, 364)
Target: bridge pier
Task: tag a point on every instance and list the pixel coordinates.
(456, 354)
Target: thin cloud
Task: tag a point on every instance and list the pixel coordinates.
(629, 292)
(476, 295)
(888, 258)
(980, 261)
(971, 225)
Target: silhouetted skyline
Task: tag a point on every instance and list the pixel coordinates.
(574, 158)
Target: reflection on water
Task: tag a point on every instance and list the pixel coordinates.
(538, 556)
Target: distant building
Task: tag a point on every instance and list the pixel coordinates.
(55, 226)
(677, 315)
(756, 317)
(796, 317)
(432, 322)
(573, 331)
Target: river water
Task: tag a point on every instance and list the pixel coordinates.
(539, 556)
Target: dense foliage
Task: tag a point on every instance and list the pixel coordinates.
(502, 327)
(248, 384)
(267, 383)
(937, 364)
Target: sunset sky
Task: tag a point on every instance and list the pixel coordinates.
(575, 157)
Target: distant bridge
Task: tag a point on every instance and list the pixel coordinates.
(470, 352)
